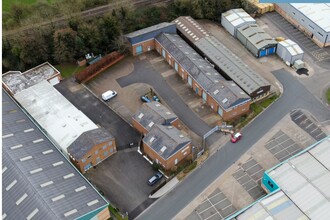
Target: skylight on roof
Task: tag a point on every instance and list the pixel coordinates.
(216, 92)
(151, 124)
(163, 149)
(11, 185)
(57, 163)
(152, 139)
(140, 115)
(224, 100)
(68, 176)
(181, 136)
(32, 214)
(93, 202)
(168, 113)
(70, 212)
(80, 188)
(47, 151)
(20, 200)
(46, 184)
(4, 169)
(16, 146)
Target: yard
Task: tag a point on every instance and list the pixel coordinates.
(6, 4)
(68, 69)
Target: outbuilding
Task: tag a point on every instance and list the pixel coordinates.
(235, 18)
(256, 40)
(289, 51)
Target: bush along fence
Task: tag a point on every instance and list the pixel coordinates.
(96, 68)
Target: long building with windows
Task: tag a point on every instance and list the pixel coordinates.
(38, 182)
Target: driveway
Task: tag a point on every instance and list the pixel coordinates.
(144, 72)
(295, 96)
(98, 112)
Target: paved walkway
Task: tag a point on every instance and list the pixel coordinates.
(166, 188)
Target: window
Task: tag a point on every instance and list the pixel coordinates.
(105, 153)
(176, 161)
(96, 152)
(83, 160)
(320, 34)
(293, 13)
(104, 147)
(111, 150)
(110, 143)
(89, 156)
(311, 27)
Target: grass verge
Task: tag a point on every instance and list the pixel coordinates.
(68, 69)
(115, 214)
(328, 95)
(6, 4)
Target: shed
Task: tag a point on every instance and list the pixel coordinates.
(289, 51)
(235, 18)
(256, 40)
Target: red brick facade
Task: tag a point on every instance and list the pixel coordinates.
(146, 46)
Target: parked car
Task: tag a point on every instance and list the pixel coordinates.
(155, 178)
(109, 95)
(236, 137)
(145, 98)
(155, 98)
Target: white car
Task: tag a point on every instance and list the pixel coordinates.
(109, 95)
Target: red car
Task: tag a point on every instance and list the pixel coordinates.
(236, 137)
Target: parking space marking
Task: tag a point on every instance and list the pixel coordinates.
(298, 117)
(210, 216)
(206, 209)
(214, 208)
(309, 125)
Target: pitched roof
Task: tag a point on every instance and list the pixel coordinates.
(154, 113)
(165, 140)
(84, 143)
(226, 93)
(237, 17)
(38, 182)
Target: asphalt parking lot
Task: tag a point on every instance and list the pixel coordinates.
(215, 207)
(320, 55)
(123, 180)
(307, 124)
(249, 175)
(98, 112)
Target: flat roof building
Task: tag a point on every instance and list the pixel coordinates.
(225, 61)
(60, 120)
(311, 18)
(256, 40)
(15, 81)
(299, 188)
(235, 18)
(38, 182)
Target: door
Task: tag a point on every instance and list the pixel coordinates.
(176, 161)
(176, 66)
(164, 53)
(190, 81)
(262, 53)
(220, 111)
(196, 90)
(149, 48)
(204, 95)
(138, 49)
(271, 50)
(88, 166)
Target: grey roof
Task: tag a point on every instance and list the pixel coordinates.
(154, 113)
(256, 36)
(231, 64)
(148, 29)
(190, 28)
(37, 180)
(84, 143)
(165, 140)
(237, 17)
(226, 93)
(16, 81)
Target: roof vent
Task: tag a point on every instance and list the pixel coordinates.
(181, 136)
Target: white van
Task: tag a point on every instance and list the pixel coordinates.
(109, 95)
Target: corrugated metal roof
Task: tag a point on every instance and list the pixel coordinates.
(165, 140)
(190, 28)
(256, 36)
(148, 29)
(305, 179)
(237, 16)
(62, 121)
(291, 46)
(202, 72)
(33, 183)
(319, 13)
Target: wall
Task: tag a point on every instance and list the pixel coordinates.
(236, 112)
(170, 162)
(98, 214)
(94, 153)
(227, 25)
(139, 127)
(145, 45)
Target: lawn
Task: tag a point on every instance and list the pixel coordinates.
(328, 95)
(68, 69)
(7, 3)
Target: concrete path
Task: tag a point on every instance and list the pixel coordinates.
(166, 188)
(295, 96)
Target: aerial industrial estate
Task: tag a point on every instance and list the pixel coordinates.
(194, 119)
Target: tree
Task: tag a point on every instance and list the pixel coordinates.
(65, 45)
(18, 11)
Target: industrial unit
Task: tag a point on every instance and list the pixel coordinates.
(143, 40)
(224, 61)
(235, 18)
(153, 113)
(289, 51)
(256, 40)
(38, 182)
(91, 148)
(224, 97)
(311, 18)
(299, 188)
(166, 146)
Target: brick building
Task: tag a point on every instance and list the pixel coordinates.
(153, 113)
(144, 40)
(91, 148)
(166, 146)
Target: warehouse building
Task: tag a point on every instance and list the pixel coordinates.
(153, 113)
(91, 148)
(223, 96)
(256, 40)
(289, 51)
(166, 146)
(15, 81)
(313, 19)
(223, 60)
(38, 182)
(143, 40)
(235, 18)
(299, 188)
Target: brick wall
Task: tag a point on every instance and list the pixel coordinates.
(150, 44)
(139, 127)
(104, 214)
